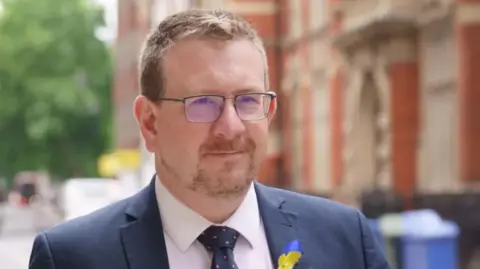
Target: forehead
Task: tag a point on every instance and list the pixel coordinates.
(197, 65)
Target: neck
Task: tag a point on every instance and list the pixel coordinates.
(203, 204)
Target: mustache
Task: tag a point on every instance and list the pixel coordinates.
(241, 144)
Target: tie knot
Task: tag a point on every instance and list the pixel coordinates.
(216, 237)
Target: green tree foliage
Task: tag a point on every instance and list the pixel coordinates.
(55, 76)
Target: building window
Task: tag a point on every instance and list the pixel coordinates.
(163, 8)
(318, 52)
(158, 12)
(210, 3)
(440, 141)
(295, 18)
(321, 136)
(297, 125)
(178, 5)
(317, 14)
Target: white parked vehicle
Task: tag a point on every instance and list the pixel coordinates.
(81, 196)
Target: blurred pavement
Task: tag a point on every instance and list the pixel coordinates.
(15, 250)
(18, 227)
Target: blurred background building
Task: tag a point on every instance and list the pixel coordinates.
(373, 93)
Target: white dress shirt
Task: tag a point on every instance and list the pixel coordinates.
(182, 226)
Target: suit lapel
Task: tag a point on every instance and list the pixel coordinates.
(142, 237)
(279, 223)
(144, 242)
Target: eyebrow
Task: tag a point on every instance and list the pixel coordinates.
(243, 90)
(249, 90)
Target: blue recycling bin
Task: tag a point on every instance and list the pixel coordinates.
(428, 242)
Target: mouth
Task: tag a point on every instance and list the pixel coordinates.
(224, 153)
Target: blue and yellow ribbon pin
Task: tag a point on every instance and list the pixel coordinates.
(290, 256)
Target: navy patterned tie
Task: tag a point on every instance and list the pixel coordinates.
(220, 241)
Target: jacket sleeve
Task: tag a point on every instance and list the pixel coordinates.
(372, 253)
(41, 256)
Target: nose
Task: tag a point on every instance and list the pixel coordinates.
(229, 125)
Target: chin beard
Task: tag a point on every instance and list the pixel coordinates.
(226, 183)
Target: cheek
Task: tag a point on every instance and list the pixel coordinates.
(259, 134)
(179, 142)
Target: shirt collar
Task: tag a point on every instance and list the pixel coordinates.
(246, 219)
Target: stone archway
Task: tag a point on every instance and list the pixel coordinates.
(366, 131)
(387, 47)
(367, 155)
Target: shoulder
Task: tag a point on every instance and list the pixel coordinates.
(79, 242)
(305, 202)
(87, 229)
(322, 221)
(331, 226)
(313, 209)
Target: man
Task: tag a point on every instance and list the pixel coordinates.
(204, 111)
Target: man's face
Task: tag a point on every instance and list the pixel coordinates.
(218, 158)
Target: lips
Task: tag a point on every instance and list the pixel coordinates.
(224, 153)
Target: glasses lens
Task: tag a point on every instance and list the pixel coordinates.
(203, 108)
(253, 106)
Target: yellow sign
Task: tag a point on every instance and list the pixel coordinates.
(111, 164)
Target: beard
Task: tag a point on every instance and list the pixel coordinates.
(232, 180)
(220, 178)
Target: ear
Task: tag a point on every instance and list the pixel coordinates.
(272, 109)
(144, 111)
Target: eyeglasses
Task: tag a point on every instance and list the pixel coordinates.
(208, 108)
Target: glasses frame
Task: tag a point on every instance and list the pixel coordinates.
(272, 95)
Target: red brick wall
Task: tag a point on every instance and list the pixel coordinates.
(468, 44)
(336, 103)
(301, 47)
(404, 111)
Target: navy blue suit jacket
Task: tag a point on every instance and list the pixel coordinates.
(128, 235)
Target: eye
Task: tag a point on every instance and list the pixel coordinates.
(248, 99)
(202, 100)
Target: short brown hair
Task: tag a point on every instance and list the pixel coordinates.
(211, 24)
